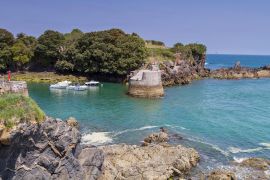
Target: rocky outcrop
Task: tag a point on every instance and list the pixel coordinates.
(49, 150)
(157, 161)
(182, 72)
(238, 72)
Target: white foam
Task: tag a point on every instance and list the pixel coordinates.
(97, 138)
(267, 173)
(236, 150)
(136, 129)
(266, 145)
(181, 127)
(225, 153)
(239, 160)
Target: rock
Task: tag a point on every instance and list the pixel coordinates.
(149, 162)
(91, 160)
(4, 136)
(157, 138)
(257, 163)
(71, 121)
(48, 150)
(221, 175)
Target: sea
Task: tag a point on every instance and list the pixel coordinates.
(225, 120)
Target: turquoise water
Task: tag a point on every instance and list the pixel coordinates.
(223, 119)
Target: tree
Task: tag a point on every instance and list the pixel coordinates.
(21, 54)
(6, 41)
(109, 52)
(198, 51)
(49, 47)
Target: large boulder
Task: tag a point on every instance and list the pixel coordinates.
(147, 162)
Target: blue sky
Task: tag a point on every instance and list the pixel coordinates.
(231, 26)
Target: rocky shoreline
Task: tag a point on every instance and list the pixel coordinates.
(53, 150)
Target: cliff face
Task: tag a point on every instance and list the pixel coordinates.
(52, 150)
(183, 72)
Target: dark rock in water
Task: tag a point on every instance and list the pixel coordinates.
(176, 137)
(221, 175)
(47, 151)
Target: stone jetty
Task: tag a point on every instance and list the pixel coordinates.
(146, 83)
(13, 87)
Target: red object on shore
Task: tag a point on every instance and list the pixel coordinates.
(9, 75)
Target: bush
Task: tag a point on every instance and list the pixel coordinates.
(16, 108)
(64, 66)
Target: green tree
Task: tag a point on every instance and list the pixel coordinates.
(49, 48)
(109, 52)
(21, 54)
(6, 41)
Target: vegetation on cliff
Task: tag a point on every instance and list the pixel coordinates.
(190, 52)
(15, 108)
(109, 53)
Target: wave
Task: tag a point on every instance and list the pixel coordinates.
(263, 146)
(136, 129)
(97, 138)
(225, 153)
(239, 160)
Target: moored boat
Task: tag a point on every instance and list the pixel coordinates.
(92, 83)
(60, 85)
(78, 87)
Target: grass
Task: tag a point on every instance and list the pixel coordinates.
(45, 77)
(160, 54)
(16, 108)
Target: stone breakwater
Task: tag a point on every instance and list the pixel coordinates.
(52, 150)
(13, 87)
(238, 72)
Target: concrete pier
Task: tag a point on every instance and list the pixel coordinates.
(146, 83)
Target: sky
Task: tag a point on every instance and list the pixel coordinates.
(225, 27)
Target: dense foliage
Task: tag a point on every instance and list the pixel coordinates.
(190, 52)
(15, 108)
(109, 52)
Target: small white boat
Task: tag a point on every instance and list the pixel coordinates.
(92, 83)
(78, 87)
(60, 85)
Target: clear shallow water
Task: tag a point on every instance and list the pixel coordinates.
(222, 119)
